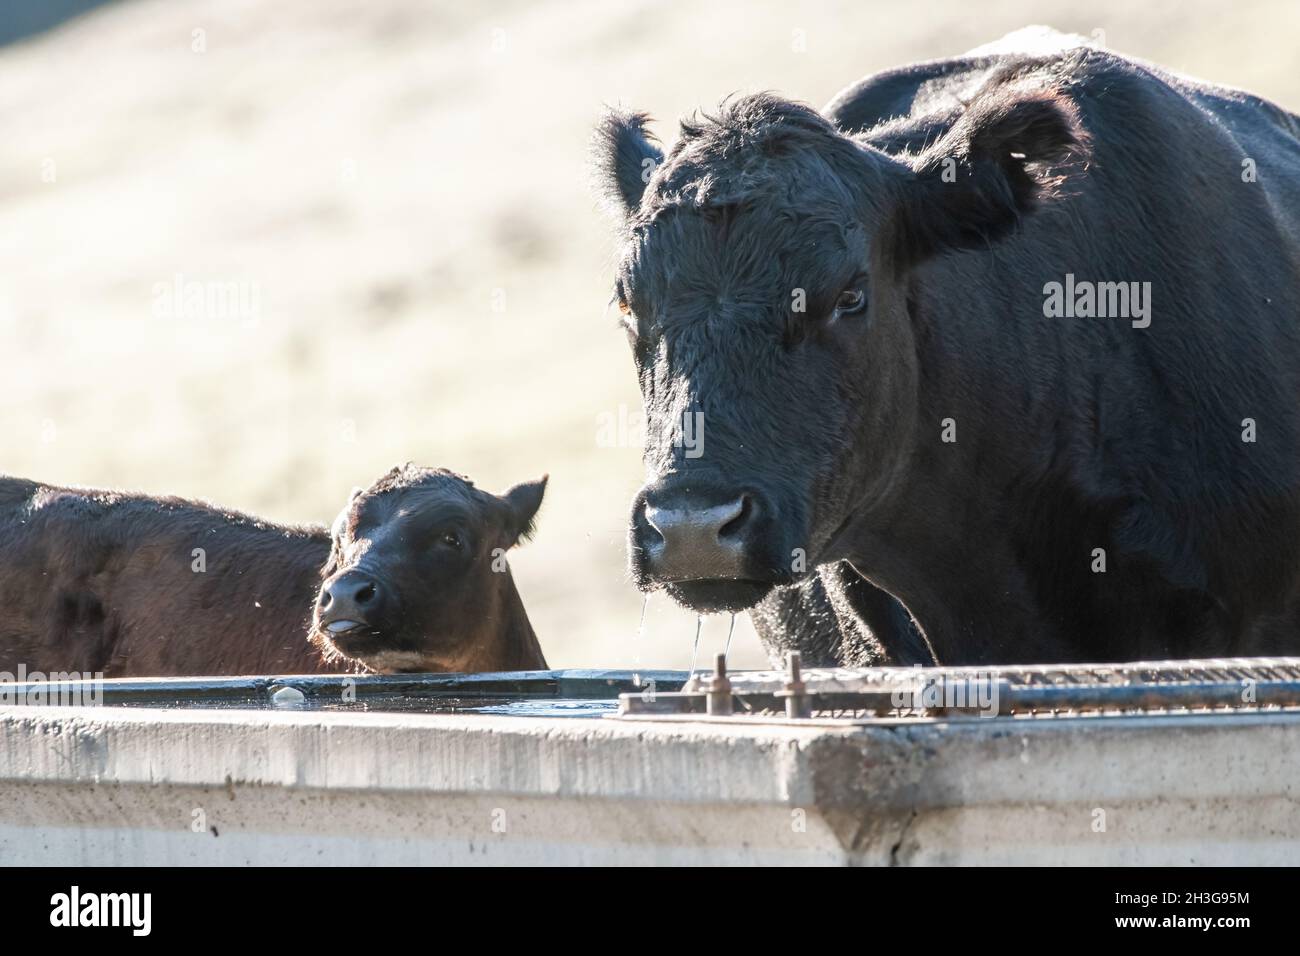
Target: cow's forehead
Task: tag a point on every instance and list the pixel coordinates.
(760, 249)
(436, 494)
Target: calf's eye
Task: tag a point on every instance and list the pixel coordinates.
(451, 539)
(850, 301)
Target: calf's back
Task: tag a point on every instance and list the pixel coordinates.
(132, 585)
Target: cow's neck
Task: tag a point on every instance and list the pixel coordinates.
(965, 595)
(283, 639)
(507, 641)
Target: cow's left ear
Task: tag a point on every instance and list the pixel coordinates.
(1011, 150)
(522, 502)
(624, 155)
(336, 533)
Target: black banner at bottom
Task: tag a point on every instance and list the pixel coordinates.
(332, 906)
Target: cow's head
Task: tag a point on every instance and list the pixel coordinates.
(417, 578)
(763, 282)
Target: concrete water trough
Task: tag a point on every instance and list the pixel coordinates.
(1193, 762)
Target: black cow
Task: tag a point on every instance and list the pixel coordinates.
(997, 360)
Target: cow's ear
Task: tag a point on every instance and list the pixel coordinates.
(341, 521)
(522, 502)
(624, 155)
(336, 533)
(1011, 150)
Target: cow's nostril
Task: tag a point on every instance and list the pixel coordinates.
(653, 535)
(366, 594)
(737, 524)
(326, 598)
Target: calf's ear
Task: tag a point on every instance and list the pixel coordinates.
(341, 521)
(336, 532)
(522, 502)
(1009, 152)
(624, 156)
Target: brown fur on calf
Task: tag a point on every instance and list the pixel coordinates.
(133, 585)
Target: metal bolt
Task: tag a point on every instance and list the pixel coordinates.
(796, 691)
(718, 697)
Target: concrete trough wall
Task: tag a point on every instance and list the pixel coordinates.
(126, 786)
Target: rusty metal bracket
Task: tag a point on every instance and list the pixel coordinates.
(1213, 686)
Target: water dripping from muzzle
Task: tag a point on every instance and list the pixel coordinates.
(726, 651)
(636, 645)
(699, 622)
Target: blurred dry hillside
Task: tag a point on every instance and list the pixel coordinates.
(260, 252)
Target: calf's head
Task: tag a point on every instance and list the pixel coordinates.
(763, 282)
(417, 578)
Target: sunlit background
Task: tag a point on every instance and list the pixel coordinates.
(396, 193)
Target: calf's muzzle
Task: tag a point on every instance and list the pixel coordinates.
(347, 602)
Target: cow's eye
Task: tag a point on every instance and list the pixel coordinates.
(850, 302)
(626, 321)
(451, 539)
(620, 296)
